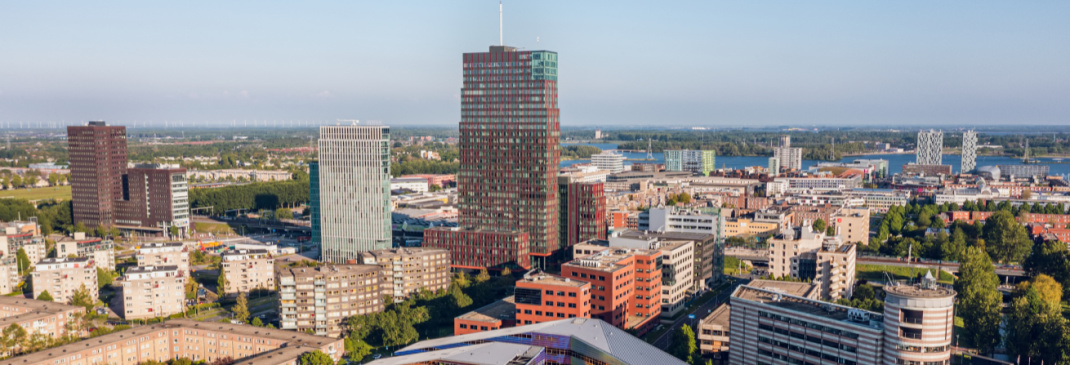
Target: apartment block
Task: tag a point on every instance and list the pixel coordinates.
(321, 298)
(708, 253)
(184, 338)
(625, 286)
(101, 251)
(151, 292)
(38, 316)
(477, 249)
(493, 316)
(13, 239)
(542, 297)
(9, 275)
(164, 254)
(409, 270)
(804, 254)
(852, 225)
(61, 277)
(248, 270)
(695, 161)
(713, 334)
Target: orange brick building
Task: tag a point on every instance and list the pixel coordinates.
(625, 286)
(544, 297)
(492, 316)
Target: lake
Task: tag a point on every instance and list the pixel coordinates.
(895, 162)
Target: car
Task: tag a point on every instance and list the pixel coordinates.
(377, 356)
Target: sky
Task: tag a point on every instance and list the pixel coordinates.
(719, 64)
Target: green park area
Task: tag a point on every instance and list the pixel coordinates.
(876, 273)
(56, 192)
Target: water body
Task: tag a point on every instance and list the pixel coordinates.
(895, 162)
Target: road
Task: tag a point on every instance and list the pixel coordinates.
(663, 341)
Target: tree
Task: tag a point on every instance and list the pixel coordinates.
(221, 282)
(356, 349)
(53, 179)
(101, 231)
(483, 276)
(241, 309)
(257, 322)
(82, 298)
(173, 230)
(113, 232)
(45, 296)
(831, 231)
(315, 357)
(1049, 257)
(1048, 289)
(979, 300)
(1007, 240)
(283, 213)
(458, 298)
(684, 198)
(819, 225)
(14, 336)
(23, 261)
(1027, 194)
(16, 181)
(955, 248)
(938, 223)
(1036, 329)
(80, 227)
(683, 345)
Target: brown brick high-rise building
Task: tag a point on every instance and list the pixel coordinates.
(510, 147)
(583, 211)
(98, 163)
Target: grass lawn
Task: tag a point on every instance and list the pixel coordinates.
(57, 192)
(876, 273)
(214, 228)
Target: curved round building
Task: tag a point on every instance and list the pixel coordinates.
(918, 320)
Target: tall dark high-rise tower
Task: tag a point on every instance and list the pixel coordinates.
(98, 163)
(510, 154)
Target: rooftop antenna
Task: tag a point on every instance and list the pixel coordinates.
(501, 38)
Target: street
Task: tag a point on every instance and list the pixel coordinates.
(663, 341)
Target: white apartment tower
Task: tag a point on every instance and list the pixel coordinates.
(788, 158)
(969, 151)
(930, 147)
(354, 191)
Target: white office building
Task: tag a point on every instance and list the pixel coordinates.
(609, 160)
(969, 151)
(695, 161)
(354, 191)
(788, 158)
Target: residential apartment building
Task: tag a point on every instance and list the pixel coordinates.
(13, 239)
(353, 188)
(247, 270)
(708, 253)
(927, 170)
(930, 150)
(477, 249)
(185, 338)
(590, 340)
(508, 105)
(771, 326)
(9, 275)
(611, 161)
(164, 254)
(625, 286)
(713, 334)
(677, 219)
(151, 292)
(804, 254)
(762, 223)
(542, 297)
(155, 198)
(852, 225)
(61, 277)
(406, 271)
(321, 298)
(583, 211)
(695, 161)
(101, 251)
(493, 316)
(38, 316)
(787, 157)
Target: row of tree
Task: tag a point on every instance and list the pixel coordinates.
(909, 230)
(263, 195)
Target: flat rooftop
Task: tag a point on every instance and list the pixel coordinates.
(808, 306)
(668, 235)
(326, 270)
(148, 269)
(35, 309)
(608, 260)
(498, 311)
(797, 289)
(919, 291)
(719, 317)
(548, 279)
(243, 252)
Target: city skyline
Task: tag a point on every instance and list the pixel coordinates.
(704, 64)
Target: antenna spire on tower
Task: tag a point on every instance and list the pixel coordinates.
(501, 38)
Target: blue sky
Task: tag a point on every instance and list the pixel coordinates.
(622, 63)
